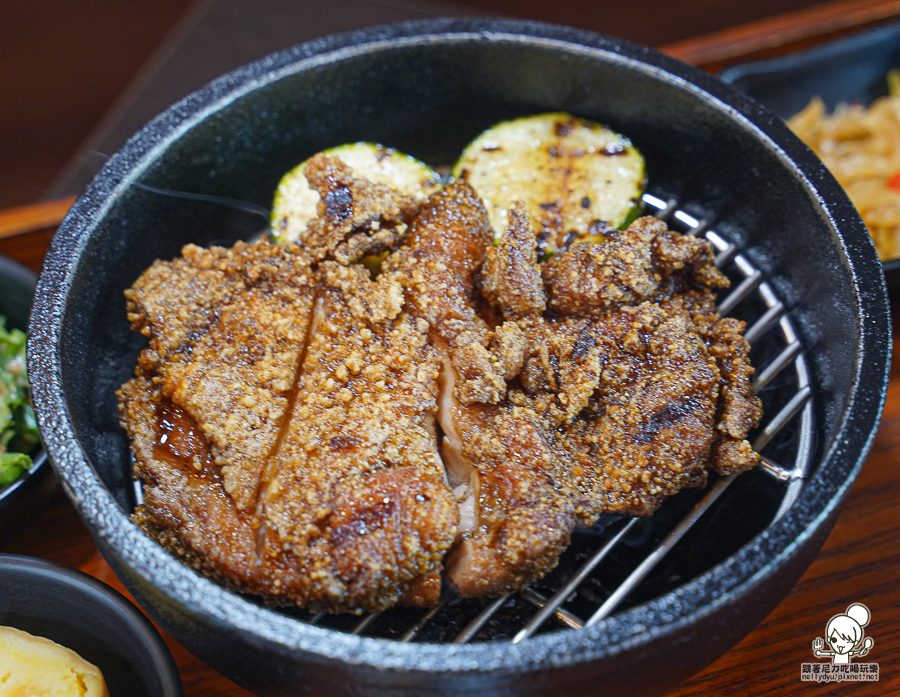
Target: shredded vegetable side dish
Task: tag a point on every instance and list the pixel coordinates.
(861, 147)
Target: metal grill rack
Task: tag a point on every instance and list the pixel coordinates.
(558, 602)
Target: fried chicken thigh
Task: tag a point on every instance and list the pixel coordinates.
(359, 492)
(317, 437)
(615, 405)
(348, 509)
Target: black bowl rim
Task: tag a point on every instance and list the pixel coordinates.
(734, 578)
(28, 278)
(14, 269)
(99, 594)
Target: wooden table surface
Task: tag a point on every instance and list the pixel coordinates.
(860, 561)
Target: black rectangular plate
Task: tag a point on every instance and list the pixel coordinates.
(849, 70)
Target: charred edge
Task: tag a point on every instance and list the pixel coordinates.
(343, 442)
(363, 521)
(338, 204)
(601, 227)
(665, 417)
(583, 343)
(563, 128)
(268, 471)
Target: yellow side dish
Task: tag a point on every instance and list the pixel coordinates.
(32, 666)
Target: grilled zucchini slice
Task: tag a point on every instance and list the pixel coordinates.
(575, 176)
(295, 202)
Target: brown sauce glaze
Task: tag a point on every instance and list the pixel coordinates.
(179, 440)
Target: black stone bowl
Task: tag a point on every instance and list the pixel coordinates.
(21, 500)
(427, 88)
(92, 619)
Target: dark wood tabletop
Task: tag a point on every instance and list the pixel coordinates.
(860, 561)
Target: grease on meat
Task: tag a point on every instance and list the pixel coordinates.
(226, 331)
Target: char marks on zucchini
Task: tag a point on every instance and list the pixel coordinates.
(577, 179)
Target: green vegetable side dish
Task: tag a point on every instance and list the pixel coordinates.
(576, 177)
(18, 427)
(295, 202)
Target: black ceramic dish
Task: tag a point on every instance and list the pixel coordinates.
(427, 88)
(849, 70)
(82, 614)
(20, 500)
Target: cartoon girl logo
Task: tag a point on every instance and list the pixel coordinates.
(844, 634)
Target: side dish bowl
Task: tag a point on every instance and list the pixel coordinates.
(22, 498)
(428, 88)
(76, 611)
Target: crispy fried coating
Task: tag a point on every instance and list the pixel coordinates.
(318, 437)
(356, 217)
(348, 507)
(644, 391)
(444, 248)
(524, 514)
(563, 366)
(359, 492)
(628, 268)
(514, 525)
(623, 393)
(226, 330)
(647, 262)
(512, 278)
(650, 425)
(644, 388)
(186, 507)
(484, 362)
(188, 511)
(739, 407)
